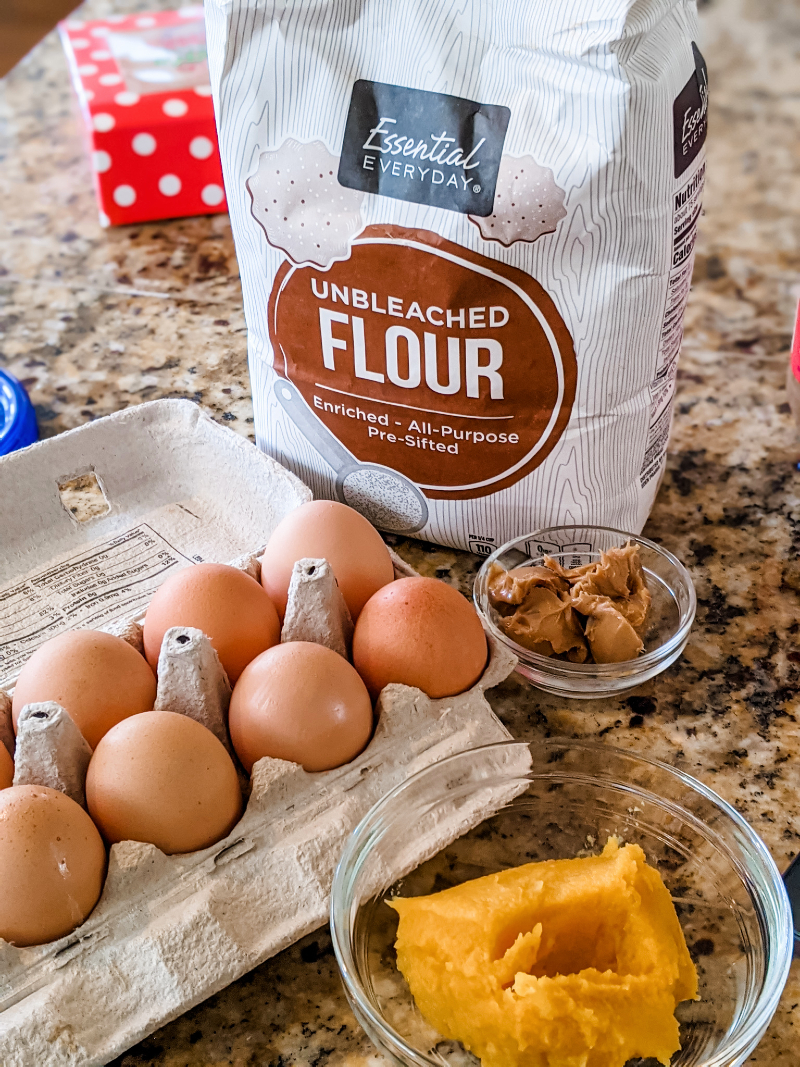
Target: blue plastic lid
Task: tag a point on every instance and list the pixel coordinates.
(792, 880)
(17, 418)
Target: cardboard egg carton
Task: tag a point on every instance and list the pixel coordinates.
(105, 514)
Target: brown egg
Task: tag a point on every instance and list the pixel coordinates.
(97, 678)
(6, 767)
(323, 529)
(52, 865)
(420, 632)
(164, 779)
(229, 606)
(300, 702)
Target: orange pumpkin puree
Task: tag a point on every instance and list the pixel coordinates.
(564, 963)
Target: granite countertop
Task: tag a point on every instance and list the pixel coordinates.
(92, 321)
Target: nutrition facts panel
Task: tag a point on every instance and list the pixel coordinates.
(109, 580)
(686, 213)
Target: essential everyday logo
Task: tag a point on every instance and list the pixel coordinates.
(690, 115)
(429, 148)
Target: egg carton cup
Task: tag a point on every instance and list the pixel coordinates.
(51, 751)
(167, 487)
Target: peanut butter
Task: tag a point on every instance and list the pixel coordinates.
(595, 612)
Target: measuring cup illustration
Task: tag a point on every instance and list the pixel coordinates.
(388, 499)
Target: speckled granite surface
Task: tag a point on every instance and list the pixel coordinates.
(95, 320)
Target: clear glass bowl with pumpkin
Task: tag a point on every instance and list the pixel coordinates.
(503, 805)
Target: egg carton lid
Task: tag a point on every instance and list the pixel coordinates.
(102, 515)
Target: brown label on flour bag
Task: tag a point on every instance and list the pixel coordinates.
(423, 356)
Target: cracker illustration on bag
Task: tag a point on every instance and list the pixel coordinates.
(303, 210)
(464, 287)
(527, 203)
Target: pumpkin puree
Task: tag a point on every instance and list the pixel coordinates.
(564, 963)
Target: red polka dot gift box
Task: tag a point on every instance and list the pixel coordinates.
(143, 87)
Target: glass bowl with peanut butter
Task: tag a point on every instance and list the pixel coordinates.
(588, 611)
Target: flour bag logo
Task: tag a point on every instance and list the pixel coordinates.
(689, 115)
(424, 357)
(428, 148)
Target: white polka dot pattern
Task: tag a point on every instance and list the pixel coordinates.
(103, 122)
(87, 69)
(101, 160)
(124, 195)
(144, 144)
(126, 98)
(212, 195)
(110, 79)
(174, 107)
(100, 54)
(200, 147)
(169, 185)
(79, 42)
(203, 90)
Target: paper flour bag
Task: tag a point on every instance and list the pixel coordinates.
(465, 235)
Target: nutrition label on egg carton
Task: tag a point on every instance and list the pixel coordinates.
(110, 580)
(686, 213)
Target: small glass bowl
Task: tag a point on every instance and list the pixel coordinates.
(499, 806)
(668, 623)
